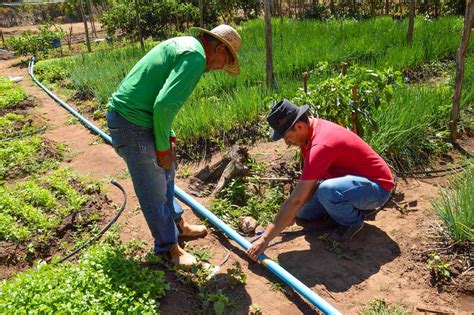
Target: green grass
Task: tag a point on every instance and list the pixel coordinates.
(408, 125)
(10, 93)
(222, 104)
(455, 208)
(104, 280)
(33, 210)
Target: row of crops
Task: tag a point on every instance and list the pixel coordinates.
(47, 210)
(222, 105)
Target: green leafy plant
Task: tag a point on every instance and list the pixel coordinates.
(350, 99)
(34, 209)
(32, 43)
(104, 280)
(20, 157)
(10, 93)
(12, 125)
(236, 273)
(438, 267)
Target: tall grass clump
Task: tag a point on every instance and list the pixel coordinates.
(408, 125)
(104, 281)
(455, 207)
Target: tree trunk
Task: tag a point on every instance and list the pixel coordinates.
(411, 21)
(91, 15)
(88, 43)
(460, 58)
(268, 44)
(387, 7)
(331, 7)
(137, 22)
(201, 17)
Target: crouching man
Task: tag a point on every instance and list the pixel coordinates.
(343, 178)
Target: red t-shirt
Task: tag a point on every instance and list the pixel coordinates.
(334, 151)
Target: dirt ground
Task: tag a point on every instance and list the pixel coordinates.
(383, 261)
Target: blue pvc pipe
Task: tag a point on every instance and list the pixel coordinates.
(279, 271)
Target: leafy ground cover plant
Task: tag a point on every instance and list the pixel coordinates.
(20, 157)
(10, 94)
(46, 213)
(12, 125)
(104, 280)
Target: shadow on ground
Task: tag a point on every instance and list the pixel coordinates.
(339, 269)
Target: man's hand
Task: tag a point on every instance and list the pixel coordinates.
(257, 248)
(165, 161)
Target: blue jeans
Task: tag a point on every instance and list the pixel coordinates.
(153, 185)
(343, 198)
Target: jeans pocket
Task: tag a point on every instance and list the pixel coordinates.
(118, 141)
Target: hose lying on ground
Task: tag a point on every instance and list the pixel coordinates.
(104, 229)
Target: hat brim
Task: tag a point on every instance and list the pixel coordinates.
(233, 68)
(278, 135)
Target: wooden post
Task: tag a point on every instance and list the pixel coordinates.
(387, 7)
(354, 114)
(268, 44)
(460, 58)
(411, 21)
(69, 38)
(91, 14)
(344, 68)
(137, 22)
(88, 43)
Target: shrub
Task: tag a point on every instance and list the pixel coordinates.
(29, 43)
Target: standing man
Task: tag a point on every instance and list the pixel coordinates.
(353, 179)
(140, 117)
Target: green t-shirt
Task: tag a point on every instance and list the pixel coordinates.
(156, 88)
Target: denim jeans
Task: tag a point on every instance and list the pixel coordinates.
(343, 198)
(153, 185)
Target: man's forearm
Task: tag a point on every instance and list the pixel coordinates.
(284, 218)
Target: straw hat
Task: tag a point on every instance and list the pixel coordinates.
(229, 37)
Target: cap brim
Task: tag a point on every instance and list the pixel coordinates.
(233, 68)
(276, 135)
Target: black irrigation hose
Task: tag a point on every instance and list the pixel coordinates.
(104, 229)
(26, 134)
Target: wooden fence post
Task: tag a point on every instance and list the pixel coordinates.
(460, 58)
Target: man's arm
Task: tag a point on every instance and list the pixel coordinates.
(176, 90)
(299, 196)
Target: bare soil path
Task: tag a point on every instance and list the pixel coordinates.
(383, 261)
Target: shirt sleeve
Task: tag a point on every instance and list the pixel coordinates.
(178, 87)
(317, 162)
